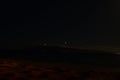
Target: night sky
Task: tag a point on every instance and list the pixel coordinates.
(86, 22)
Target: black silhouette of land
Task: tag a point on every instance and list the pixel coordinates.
(54, 54)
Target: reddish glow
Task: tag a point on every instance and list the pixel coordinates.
(16, 69)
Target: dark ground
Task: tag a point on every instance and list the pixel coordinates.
(64, 55)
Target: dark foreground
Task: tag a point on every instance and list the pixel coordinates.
(64, 55)
(56, 63)
(20, 70)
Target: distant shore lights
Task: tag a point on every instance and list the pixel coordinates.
(45, 43)
(67, 44)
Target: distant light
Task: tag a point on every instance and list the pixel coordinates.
(65, 42)
(45, 44)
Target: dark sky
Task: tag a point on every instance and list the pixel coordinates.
(83, 22)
